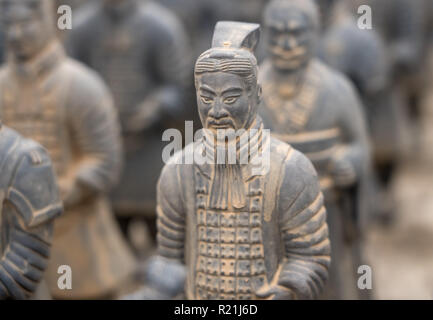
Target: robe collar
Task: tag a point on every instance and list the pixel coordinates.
(41, 64)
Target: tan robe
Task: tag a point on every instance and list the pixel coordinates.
(65, 107)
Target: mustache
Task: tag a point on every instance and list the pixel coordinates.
(226, 121)
(288, 54)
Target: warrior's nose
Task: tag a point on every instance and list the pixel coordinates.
(218, 112)
(288, 43)
(14, 34)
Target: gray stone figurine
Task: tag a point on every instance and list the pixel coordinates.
(360, 54)
(242, 232)
(141, 50)
(316, 110)
(29, 203)
(67, 108)
(2, 49)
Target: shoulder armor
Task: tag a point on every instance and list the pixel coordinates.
(33, 188)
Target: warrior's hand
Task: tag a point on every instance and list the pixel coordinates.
(275, 293)
(343, 172)
(165, 280)
(147, 115)
(74, 193)
(404, 57)
(147, 293)
(164, 103)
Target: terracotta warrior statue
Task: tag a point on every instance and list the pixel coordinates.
(142, 52)
(243, 229)
(29, 203)
(402, 25)
(360, 54)
(316, 110)
(2, 49)
(67, 108)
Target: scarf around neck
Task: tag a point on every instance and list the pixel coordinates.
(228, 185)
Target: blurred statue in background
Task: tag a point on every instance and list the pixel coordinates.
(242, 231)
(142, 52)
(67, 108)
(357, 53)
(74, 4)
(29, 203)
(240, 10)
(2, 49)
(200, 17)
(401, 23)
(360, 54)
(316, 110)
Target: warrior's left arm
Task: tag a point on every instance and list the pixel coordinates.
(304, 231)
(303, 270)
(354, 147)
(94, 124)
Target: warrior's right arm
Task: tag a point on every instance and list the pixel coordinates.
(170, 215)
(30, 206)
(93, 122)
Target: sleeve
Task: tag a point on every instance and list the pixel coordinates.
(170, 215)
(355, 146)
(31, 204)
(2, 53)
(96, 132)
(304, 231)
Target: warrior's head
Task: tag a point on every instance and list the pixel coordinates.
(226, 78)
(118, 8)
(28, 26)
(291, 28)
(326, 8)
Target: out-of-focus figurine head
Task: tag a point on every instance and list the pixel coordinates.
(326, 7)
(117, 9)
(291, 30)
(28, 26)
(114, 3)
(226, 78)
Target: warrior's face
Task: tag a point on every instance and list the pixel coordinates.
(225, 101)
(27, 26)
(291, 37)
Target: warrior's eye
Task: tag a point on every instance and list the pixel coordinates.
(206, 100)
(230, 100)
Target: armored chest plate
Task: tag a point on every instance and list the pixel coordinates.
(230, 260)
(36, 115)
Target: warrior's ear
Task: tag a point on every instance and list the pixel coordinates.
(236, 35)
(259, 93)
